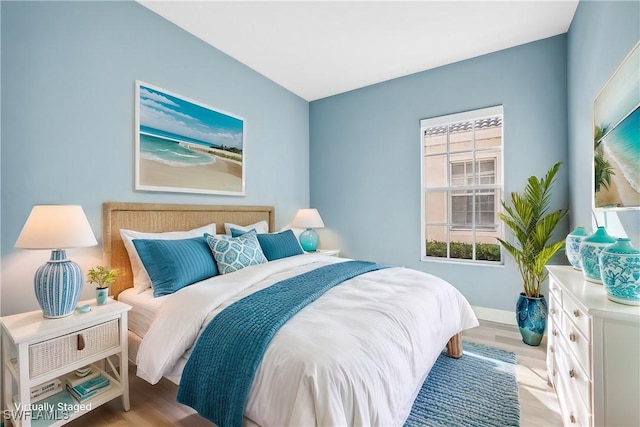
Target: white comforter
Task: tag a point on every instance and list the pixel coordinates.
(356, 356)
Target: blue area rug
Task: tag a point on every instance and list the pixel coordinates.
(479, 389)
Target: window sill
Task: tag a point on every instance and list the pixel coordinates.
(487, 228)
(459, 261)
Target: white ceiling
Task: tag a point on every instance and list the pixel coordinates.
(317, 49)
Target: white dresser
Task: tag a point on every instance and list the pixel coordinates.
(593, 352)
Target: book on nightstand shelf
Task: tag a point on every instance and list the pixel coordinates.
(73, 379)
(90, 388)
(49, 410)
(45, 390)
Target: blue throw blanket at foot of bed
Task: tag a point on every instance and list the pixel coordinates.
(218, 376)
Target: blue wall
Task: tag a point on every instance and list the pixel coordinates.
(365, 154)
(600, 37)
(68, 72)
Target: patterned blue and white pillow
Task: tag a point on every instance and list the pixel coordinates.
(235, 253)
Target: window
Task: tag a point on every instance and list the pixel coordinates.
(462, 185)
(462, 204)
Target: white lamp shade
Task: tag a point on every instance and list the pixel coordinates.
(307, 218)
(56, 227)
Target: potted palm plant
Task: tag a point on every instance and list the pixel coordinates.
(532, 225)
(102, 277)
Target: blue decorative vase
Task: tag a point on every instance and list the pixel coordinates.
(572, 246)
(58, 284)
(309, 240)
(590, 249)
(531, 314)
(620, 269)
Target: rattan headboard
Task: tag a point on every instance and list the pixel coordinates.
(154, 218)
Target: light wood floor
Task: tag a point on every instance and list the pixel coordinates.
(538, 402)
(156, 406)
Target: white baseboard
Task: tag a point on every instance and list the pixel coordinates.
(494, 315)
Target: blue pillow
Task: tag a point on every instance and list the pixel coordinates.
(174, 264)
(235, 232)
(235, 253)
(279, 245)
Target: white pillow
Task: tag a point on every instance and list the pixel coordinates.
(260, 227)
(141, 280)
(296, 231)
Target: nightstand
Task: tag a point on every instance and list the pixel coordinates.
(38, 350)
(328, 252)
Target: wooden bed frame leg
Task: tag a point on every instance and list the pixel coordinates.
(454, 346)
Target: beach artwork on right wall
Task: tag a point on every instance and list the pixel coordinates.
(616, 160)
(185, 146)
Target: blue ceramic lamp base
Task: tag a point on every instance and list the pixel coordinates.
(58, 284)
(309, 240)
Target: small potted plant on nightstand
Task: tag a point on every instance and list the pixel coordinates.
(102, 277)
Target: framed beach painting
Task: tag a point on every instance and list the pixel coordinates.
(616, 160)
(183, 145)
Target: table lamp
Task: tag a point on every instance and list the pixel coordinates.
(308, 219)
(57, 283)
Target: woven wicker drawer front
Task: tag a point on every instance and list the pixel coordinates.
(58, 352)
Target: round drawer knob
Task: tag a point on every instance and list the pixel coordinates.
(552, 311)
(576, 313)
(572, 337)
(572, 373)
(555, 332)
(572, 419)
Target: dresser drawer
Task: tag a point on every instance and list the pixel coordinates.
(574, 413)
(555, 309)
(555, 291)
(52, 354)
(577, 343)
(571, 373)
(551, 354)
(554, 330)
(577, 316)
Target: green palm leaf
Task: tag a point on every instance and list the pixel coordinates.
(532, 225)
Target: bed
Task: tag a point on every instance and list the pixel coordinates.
(355, 356)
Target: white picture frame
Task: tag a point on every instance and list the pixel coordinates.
(616, 142)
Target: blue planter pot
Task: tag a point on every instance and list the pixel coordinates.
(101, 295)
(531, 314)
